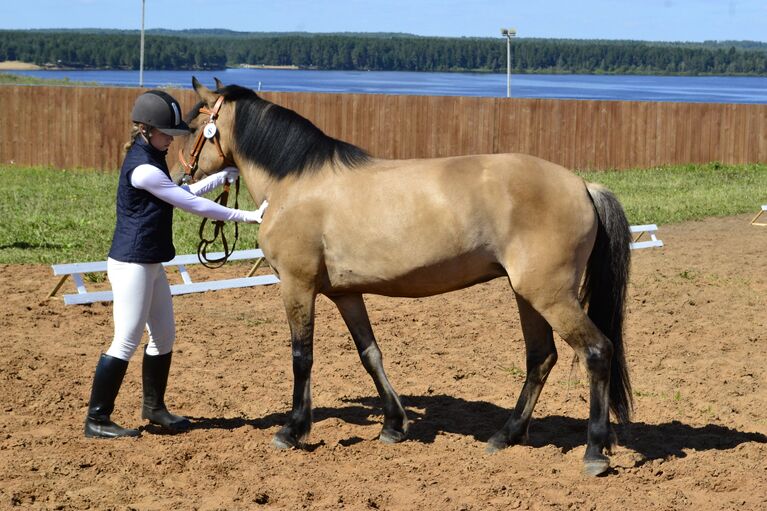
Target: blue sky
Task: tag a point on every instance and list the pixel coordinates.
(651, 20)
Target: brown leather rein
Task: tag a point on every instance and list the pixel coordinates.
(210, 132)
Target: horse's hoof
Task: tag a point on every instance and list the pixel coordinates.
(596, 466)
(501, 441)
(391, 436)
(495, 444)
(284, 441)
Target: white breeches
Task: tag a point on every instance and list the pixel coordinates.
(141, 300)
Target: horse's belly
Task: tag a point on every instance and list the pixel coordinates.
(405, 279)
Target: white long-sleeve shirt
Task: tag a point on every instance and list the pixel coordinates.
(153, 180)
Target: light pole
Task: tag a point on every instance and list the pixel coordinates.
(508, 33)
(141, 57)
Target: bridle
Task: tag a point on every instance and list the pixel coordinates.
(210, 132)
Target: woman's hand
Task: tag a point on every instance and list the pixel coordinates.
(232, 173)
(257, 216)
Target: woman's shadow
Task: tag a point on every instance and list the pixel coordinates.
(433, 415)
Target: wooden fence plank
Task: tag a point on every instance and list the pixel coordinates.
(68, 127)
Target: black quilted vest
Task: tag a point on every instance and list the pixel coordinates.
(144, 228)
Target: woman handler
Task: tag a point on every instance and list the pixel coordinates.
(142, 241)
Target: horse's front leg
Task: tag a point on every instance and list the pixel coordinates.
(352, 309)
(299, 305)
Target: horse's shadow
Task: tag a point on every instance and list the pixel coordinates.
(433, 415)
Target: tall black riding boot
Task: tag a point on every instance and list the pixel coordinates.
(106, 384)
(155, 378)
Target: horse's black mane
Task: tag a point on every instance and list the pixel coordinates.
(280, 140)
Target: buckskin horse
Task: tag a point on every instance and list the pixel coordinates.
(342, 223)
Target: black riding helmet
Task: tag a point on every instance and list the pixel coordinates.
(159, 110)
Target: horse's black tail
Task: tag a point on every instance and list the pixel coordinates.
(604, 290)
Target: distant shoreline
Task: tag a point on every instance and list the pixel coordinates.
(15, 65)
(264, 66)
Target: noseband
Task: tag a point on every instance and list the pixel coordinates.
(210, 132)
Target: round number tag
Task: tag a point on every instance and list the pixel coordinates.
(209, 130)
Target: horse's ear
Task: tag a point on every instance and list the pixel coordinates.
(208, 96)
(219, 83)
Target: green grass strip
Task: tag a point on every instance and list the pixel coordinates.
(64, 216)
(672, 194)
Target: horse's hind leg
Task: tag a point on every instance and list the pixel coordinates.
(541, 357)
(299, 305)
(352, 308)
(569, 319)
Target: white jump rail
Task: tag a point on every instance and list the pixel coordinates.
(650, 230)
(761, 212)
(84, 296)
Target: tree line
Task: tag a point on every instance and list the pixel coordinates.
(216, 49)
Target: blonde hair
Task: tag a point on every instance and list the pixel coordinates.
(136, 130)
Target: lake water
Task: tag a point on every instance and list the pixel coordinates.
(710, 89)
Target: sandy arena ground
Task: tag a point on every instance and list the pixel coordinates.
(697, 349)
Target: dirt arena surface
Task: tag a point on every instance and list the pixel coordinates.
(697, 349)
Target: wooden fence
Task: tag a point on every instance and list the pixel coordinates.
(69, 127)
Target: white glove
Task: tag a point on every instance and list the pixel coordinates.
(232, 173)
(257, 216)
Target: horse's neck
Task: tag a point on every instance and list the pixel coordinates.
(258, 181)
